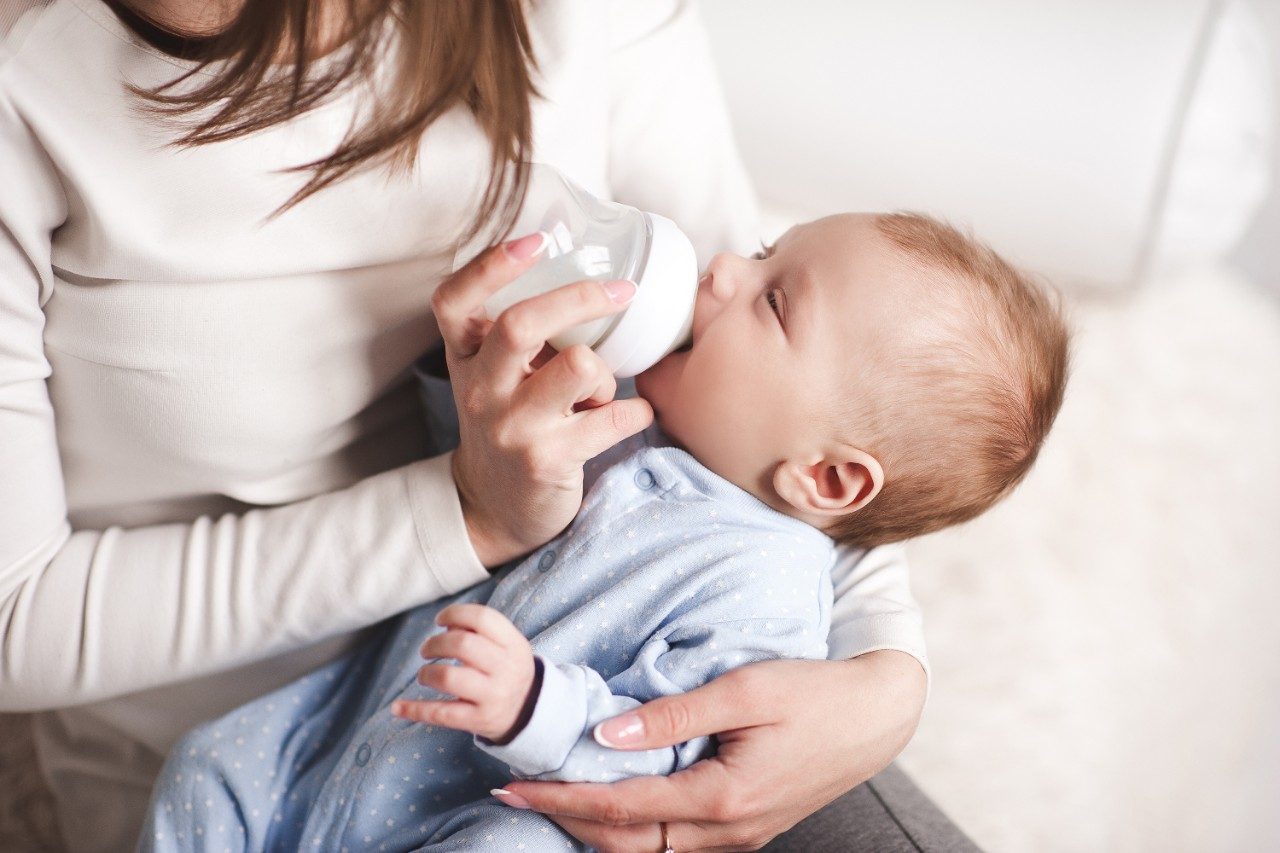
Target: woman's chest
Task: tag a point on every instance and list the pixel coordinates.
(200, 337)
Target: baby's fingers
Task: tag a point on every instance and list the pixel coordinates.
(483, 620)
(452, 714)
(461, 681)
(475, 650)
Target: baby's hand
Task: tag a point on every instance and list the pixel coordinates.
(492, 680)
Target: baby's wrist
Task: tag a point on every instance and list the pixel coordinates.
(526, 708)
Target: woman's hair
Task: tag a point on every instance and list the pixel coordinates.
(475, 53)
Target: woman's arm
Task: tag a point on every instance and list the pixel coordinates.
(88, 614)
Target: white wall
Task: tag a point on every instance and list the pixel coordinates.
(1259, 253)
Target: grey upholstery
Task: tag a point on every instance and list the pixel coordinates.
(886, 814)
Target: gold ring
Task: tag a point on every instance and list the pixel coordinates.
(666, 839)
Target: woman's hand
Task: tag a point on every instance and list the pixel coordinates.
(526, 424)
(794, 735)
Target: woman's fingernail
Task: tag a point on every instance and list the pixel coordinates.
(620, 731)
(510, 798)
(620, 291)
(523, 248)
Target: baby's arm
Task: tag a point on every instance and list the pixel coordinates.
(553, 739)
(558, 743)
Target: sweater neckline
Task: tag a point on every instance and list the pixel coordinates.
(101, 12)
(179, 47)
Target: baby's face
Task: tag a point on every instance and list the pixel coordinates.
(777, 346)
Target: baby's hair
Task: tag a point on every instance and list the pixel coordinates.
(969, 398)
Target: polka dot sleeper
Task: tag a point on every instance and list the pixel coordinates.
(668, 577)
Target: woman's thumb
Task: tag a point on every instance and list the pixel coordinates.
(669, 720)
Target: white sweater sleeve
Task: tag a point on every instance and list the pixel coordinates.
(672, 151)
(88, 614)
(873, 607)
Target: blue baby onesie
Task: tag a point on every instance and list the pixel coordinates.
(668, 577)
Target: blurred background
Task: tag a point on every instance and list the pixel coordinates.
(1104, 644)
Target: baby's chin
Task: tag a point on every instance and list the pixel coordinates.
(657, 384)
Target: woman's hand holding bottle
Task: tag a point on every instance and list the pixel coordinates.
(526, 424)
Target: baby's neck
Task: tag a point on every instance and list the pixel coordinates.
(759, 487)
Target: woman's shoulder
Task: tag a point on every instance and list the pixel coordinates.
(17, 19)
(47, 47)
(53, 46)
(11, 11)
(32, 203)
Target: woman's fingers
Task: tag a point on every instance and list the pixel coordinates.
(577, 384)
(573, 376)
(517, 336)
(638, 838)
(641, 837)
(696, 793)
(729, 702)
(458, 304)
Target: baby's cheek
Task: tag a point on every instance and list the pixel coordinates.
(657, 385)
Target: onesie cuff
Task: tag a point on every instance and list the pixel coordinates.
(558, 722)
(442, 532)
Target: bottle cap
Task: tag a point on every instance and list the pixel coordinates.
(660, 315)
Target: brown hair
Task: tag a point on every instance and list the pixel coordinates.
(974, 396)
(472, 53)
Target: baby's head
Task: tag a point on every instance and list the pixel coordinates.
(877, 376)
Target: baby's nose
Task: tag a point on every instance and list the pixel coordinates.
(718, 279)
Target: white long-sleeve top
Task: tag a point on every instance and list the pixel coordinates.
(211, 467)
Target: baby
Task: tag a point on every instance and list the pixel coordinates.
(866, 379)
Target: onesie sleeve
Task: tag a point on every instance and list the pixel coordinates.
(696, 646)
(557, 743)
(671, 146)
(89, 614)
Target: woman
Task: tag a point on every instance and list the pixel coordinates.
(210, 446)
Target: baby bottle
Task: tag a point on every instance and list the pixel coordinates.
(594, 239)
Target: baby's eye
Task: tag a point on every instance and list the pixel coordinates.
(777, 299)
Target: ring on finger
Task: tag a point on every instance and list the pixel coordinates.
(666, 838)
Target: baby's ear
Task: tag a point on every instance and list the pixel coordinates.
(843, 481)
